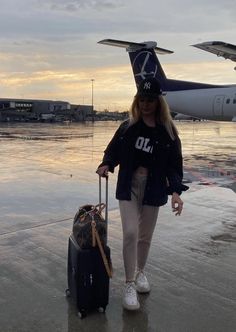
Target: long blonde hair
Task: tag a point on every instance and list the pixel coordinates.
(163, 115)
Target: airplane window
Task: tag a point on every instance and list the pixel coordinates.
(234, 101)
(227, 101)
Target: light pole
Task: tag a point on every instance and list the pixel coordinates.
(92, 80)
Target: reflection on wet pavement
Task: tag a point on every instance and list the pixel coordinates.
(209, 150)
(191, 264)
(48, 170)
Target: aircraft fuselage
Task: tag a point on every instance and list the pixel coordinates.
(213, 103)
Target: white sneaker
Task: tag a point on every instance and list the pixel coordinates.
(130, 299)
(142, 284)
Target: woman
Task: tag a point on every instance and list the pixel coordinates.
(148, 151)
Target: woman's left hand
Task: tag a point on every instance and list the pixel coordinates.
(176, 204)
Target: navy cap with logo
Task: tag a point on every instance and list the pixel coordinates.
(149, 87)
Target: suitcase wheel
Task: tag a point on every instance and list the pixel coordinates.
(82, 313)
(68, 292)
(102, 309)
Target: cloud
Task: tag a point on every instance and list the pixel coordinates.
(73, 6)
(49, 47)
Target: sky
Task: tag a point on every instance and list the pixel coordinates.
(49, 48)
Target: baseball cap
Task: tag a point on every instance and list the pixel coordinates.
(149, 87)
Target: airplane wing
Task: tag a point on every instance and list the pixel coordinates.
(134, 46)
(226, 50)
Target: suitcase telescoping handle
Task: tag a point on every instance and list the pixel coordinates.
(108, 267)
(106, 196)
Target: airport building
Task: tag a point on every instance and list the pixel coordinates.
(42, 110)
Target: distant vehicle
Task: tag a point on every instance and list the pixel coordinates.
(47, 116)
(198, 100)
(184, 117)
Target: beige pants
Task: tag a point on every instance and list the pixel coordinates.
(138, 223)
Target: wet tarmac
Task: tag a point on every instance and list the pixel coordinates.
(48, 171)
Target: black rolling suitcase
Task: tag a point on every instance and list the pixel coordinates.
(88, 277)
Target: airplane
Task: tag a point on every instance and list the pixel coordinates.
(197, 100)
(225, 50)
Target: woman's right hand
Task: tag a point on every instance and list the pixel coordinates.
(103, 171)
